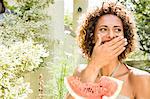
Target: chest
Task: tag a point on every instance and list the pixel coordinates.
(127, 89)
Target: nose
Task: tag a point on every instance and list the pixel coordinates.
(111, 34)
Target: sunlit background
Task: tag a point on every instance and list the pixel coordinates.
(38, 45)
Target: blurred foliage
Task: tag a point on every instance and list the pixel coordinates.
(68, 20)
(24, 5)
(62, 66)
(137, 55)
(139, 60)
(28, 20)
(23, 44)
(141, 9)
(68, 23)
(142, 14)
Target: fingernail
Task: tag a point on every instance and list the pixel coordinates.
(125, 40)
(126, 43)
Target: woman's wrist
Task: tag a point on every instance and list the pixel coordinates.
(90, 73)
(93, 65)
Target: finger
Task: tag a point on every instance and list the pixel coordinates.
(118, 53)
(114, 41)
(119, 50)
(99, 40)
(119, 43)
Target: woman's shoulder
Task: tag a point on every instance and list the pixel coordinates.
(138, 75)
(140, 80)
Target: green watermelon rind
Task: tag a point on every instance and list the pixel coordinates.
(114, 96)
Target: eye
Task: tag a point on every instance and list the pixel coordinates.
(117, 30)
(103, 29)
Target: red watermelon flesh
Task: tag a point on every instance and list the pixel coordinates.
(106, 86)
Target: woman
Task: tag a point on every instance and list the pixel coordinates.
(106, 36)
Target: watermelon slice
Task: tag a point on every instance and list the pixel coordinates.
(105, 88)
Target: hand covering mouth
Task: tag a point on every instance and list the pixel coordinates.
(107, 40)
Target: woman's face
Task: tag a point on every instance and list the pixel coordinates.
(109, 26)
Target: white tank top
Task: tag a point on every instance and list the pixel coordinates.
(123, 97)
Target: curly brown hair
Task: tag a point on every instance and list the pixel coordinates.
(86, 29)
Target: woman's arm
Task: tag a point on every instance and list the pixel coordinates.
(142, 88)
(89, 74)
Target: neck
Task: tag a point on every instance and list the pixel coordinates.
(107, 70)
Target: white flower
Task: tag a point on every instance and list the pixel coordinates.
(20, 56)
(1, 75)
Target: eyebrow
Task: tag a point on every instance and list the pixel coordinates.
(103, 26)
(117, 26)
(107, 26)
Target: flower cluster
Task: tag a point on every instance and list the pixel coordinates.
(23, 42)
(14, 28)
(14, 61)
